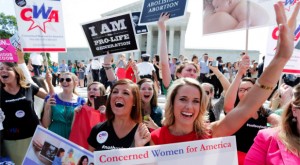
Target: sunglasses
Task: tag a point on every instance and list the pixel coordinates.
(67, 80)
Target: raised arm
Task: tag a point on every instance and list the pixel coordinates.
(108, 68)
(231, 94)
(223, 80)
(164, 61)
(264, 86)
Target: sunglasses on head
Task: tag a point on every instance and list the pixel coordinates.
(67, 80)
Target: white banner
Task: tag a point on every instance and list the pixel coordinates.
(40, 25)
(292, 66)
(205, 152)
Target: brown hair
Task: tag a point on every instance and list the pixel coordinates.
(101, 89)
(136, 112)
(289, 134)
(153, 101)
(183, 65)
(200, 126)
(21, 80)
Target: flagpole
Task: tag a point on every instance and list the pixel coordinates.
(247, 26)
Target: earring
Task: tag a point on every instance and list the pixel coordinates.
(294, 120)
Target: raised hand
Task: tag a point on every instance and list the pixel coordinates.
(285, 43)
(108, 58)
(142, 135)
(244, 64)
(162, 19)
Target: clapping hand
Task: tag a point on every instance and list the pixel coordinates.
(142, 135)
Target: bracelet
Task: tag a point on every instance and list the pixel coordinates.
(107, 68)
(263, 86)
(107, 64)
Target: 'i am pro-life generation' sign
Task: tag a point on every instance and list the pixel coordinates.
(113, 34)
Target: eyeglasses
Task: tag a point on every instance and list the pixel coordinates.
(243, 90)
(295, 107)
(67, 80)
(207, 92)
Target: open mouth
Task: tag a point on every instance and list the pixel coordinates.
(119, 104)
(146, 96)
(4, 77)
(92, 96)
(187, 114)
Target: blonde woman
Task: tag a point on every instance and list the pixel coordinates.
(59, 108)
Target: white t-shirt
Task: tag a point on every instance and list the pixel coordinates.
(145, 68)
(96, 64)
(36, 59)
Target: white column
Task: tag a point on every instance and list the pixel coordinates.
(137, 54)
(158, 42)
(171, 41)
(149, 41)
(182, 40)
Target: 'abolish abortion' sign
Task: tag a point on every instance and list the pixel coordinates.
(113, 34)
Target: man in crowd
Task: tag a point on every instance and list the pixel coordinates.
(204, 69)
(36, 62)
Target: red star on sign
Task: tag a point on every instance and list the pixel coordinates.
(36, 25)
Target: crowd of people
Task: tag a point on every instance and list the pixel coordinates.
(122, 102)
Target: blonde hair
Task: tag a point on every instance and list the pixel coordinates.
(74, 78)
(200, 123)
(288, 133)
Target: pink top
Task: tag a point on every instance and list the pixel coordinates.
(269, 150)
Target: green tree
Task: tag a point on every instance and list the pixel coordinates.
(8, 25)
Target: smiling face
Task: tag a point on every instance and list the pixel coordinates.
(186, 105)
(7, 74)
(68, 82)
(93, 91)
(146, 92)
(189, 70)
(121, 100)
(244, 88)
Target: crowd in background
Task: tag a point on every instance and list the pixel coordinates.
(205, 98)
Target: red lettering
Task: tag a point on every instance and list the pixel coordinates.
(275, 33)
(53, 15)
(24, 16)
(102, 160)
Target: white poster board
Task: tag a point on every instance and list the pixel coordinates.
(293, 65)
(40, 25)
(205, 152)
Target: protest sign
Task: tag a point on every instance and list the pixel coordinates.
(153, 8)
(40, 25)
(222, 16)
(139, 29)
(292, 65)
(112, 34)
(206, 152)
(48, 148)
(7, 51)
(15, 41)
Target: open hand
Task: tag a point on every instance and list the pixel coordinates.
(162, 19)
(285, 42)
(150, 123)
